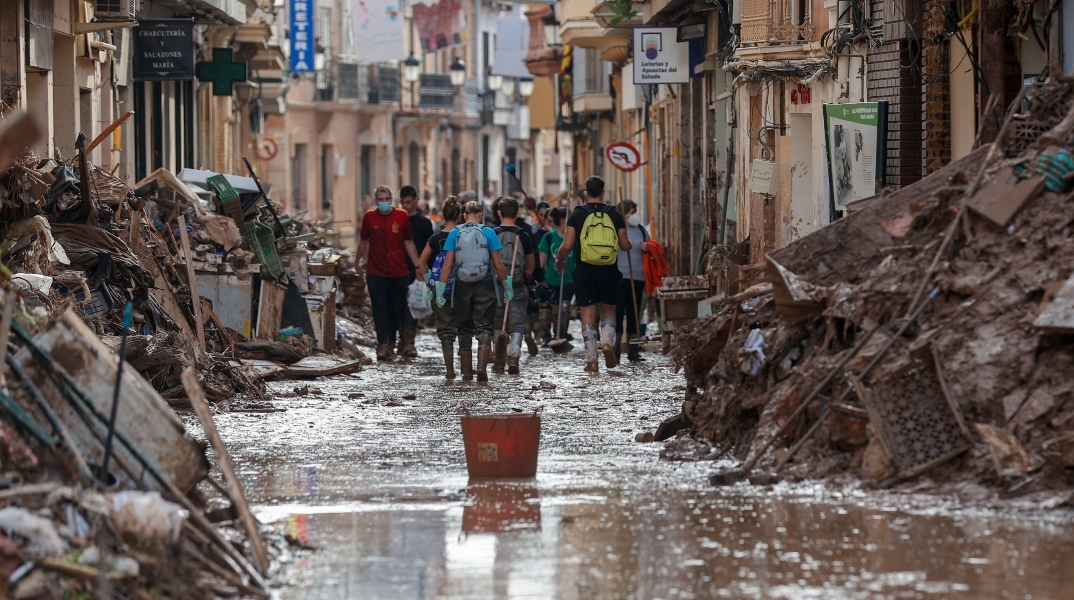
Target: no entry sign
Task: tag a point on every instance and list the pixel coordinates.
(623, 156)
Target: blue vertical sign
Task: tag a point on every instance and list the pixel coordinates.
(302, 38)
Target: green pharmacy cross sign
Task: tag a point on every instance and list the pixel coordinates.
(223, 71)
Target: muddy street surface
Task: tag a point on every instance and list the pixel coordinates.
(369, 469)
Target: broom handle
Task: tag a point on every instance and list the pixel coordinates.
(559, 300)
(633, 295)
(507, 305)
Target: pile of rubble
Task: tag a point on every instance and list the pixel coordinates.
(117, 305)
(266, 284)
(927, 337)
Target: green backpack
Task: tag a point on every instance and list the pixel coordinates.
(599, 239)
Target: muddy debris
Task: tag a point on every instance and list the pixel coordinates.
(925, 356)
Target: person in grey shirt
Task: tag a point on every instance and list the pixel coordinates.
(639, 241)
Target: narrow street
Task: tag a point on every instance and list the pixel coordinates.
(368, 469)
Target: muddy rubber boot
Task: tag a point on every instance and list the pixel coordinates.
(544, 325)
(406, 343)
(633, 355)
(531, 344)
(449, 359)
(499, 359)
(483, 351)
(514, 352)
(608, 341)
(466, 363)
(384, 352)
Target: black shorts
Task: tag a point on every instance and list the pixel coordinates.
(596, 284)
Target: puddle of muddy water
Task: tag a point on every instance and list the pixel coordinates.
(377, 482)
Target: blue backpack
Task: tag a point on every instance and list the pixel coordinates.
(434, 272)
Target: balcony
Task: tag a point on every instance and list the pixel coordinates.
(436, 92)
(776, 22)
(353, 83)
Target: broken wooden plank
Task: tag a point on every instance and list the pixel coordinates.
(1058, 315)
(192, 281)
(322, 366)
(1003, 195)
(1008, 456)
(145, 419)
(270, 309)
(234, 488)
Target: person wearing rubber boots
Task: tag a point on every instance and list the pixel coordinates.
(432, 263)
(472, 253)
(547, 249)
(517, 256)
(600, 232)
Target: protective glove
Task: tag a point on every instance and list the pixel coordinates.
(509, 288)
(428, 276)
(440, 300)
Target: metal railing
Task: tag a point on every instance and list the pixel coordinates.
(436, 91)
(766, 22)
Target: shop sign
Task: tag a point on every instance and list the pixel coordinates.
(659, 57)
(164, 50)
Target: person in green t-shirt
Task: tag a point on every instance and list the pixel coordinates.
(549, 246)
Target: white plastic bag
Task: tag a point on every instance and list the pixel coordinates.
(419, 304)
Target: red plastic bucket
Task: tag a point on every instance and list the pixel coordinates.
(501, 445)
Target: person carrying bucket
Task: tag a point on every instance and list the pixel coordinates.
(600, 231)
(471, 255)
(517, 257)
(430, 266)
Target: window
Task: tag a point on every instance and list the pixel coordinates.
(328, 176)
(594, 71)
(415, 164)
(368, 168)
(298, 177)
(348, 81)
(324, 43)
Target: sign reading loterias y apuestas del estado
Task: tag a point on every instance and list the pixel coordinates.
(659, 58)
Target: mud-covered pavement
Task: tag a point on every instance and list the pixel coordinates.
(370, 471)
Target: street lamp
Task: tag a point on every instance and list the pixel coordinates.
(458, 73)
(411, 68)
(525, 87)
(508, 87)
(494, 82)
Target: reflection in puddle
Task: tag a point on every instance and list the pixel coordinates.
(499, 506)
(377, 483)
(504, 541)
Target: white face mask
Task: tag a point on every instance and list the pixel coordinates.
(634, 220)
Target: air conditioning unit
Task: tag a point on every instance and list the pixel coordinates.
(116, 10)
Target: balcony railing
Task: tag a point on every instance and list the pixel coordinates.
(436, 91)
(767, 22)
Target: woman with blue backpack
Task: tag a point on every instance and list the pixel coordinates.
(430, 266)
(471, 255)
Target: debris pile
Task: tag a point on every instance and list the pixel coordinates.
(118, 304)
(927, 336)
(217, 276)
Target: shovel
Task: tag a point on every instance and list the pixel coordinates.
(561, 345)
(499, 356)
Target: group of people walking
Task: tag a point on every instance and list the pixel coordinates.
(479, 275)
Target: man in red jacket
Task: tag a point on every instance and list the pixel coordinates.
(386, 234)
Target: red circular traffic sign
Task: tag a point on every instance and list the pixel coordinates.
(267, 149)
(623, 156)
